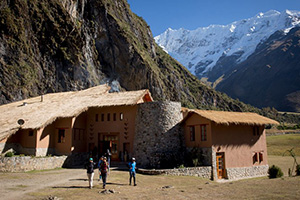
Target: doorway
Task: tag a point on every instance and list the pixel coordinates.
(109, 141)
(221, 165)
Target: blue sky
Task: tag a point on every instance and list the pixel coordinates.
(191, 14)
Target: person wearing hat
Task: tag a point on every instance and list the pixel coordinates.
(90, 171)
(104, 167)
(132, 167)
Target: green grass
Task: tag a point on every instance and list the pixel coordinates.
(279, 144)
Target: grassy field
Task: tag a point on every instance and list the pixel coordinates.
(279, 144)
(163, 187)
(177, 187)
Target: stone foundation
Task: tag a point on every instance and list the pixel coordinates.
(203, 172)
(27, 163)
(247, 172)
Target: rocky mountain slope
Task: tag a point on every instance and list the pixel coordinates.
(61, 45)
(217, 53)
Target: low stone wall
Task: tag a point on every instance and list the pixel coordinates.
(247, 172)
(27, 163)
(203, 172)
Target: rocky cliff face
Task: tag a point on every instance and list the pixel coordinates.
(61, 45)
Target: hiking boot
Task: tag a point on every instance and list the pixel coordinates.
(134, 184)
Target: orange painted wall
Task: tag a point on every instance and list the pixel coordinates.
(196, 120)
(66, 147)
(79, 134)
(239, 144)
(96, 129)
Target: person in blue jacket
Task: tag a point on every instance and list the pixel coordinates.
(132, 167)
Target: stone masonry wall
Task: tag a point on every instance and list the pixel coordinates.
(203, 172)
(247, 172)
(158, 138)
(27, 163)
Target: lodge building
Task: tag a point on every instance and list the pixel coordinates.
(88, 122)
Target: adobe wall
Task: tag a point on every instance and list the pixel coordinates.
(28, 163)
(158, 137)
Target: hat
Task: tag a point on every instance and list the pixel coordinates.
(133, 158)
(91, 159)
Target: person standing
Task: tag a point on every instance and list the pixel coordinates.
(132, 167)
(108, 155)
(90, 171)
(104, 167)
(99, 166)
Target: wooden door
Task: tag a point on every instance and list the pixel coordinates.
(221, 165)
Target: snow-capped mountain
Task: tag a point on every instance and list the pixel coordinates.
(202, 49)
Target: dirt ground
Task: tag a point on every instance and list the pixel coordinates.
(72, 184)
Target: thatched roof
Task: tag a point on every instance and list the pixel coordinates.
(226, 118)
(37, 114)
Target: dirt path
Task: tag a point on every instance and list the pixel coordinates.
(17, 185)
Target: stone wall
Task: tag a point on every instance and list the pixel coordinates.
(27, 163)
(203, 172)
(158, 138)
(247, 172)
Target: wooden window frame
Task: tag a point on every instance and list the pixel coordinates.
(108, 117)
(30, 133)
(96, 117)
(254, 158)
(61, 136)
(192, 133)
(114, 116)
(256, 130)
(203, 135)
(102, 117)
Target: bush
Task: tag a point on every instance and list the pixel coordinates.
(275, 172)
(298, 170)
(9, 154)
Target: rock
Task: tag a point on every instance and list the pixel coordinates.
(167, 187)
(108, 191)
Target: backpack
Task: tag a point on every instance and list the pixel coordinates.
(103, 167)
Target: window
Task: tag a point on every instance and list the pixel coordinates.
(96, 117)
(108, 116)
(203, 132)
(258, 157)
(102, 117)
(254, 158)
(30, 133)
(115, 116)
(255, 130)
(261, 157)
(192, 133)
(78, 134)
(121, 116)
(61, 136)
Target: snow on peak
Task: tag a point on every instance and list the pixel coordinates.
(200, 49)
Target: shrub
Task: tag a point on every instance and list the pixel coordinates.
(275, 172)
(181, 166)
(298, 170)
(9, 154)
(195, 162)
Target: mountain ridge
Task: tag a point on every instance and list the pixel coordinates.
(60, 45)
(220, 54)
(200, 49)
